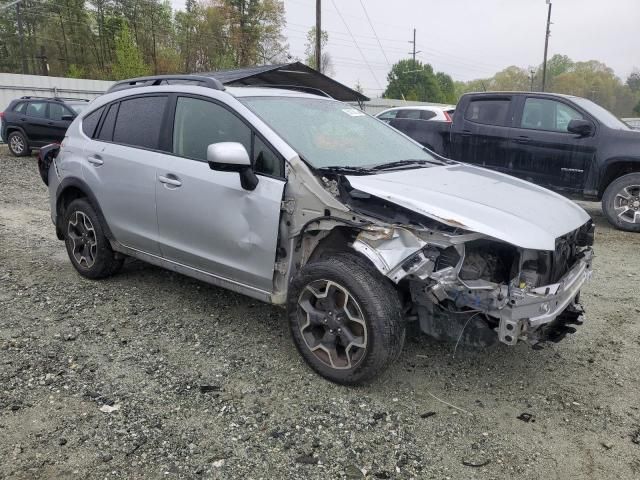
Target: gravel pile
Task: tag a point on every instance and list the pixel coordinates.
(150, 374)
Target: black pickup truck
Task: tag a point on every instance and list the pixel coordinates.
(564, 143)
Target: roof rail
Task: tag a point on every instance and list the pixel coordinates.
(203, 81)
(59, 99)
(297, 88)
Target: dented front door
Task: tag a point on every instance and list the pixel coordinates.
(207, 221)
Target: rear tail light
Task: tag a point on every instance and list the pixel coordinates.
(1, 115)
(448, 117)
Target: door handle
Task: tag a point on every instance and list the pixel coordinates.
(169, 180)
(466, 133)
(95, 160)
(523, 140)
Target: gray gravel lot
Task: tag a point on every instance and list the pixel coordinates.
(207, 383)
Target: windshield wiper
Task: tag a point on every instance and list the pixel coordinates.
(346, 169)
(404, 163)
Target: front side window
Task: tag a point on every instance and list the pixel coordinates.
(57, 111)
(544, 114)
(265, 161)
(387, 116)
(329, 133)
(489, 111)
(139, 122)
(199, 123)
(36, 109)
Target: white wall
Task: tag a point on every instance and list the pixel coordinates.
(13, 86)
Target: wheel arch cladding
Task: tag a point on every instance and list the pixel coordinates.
(70, 189)
(615, 169)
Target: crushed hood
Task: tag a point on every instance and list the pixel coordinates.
(479, 200)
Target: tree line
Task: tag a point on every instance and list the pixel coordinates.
(113, 39)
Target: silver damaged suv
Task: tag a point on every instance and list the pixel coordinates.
(302, 201)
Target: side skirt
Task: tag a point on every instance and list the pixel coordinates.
(201, 275)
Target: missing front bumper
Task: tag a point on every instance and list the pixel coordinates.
(527, 313)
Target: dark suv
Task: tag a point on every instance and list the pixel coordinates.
(32, 122)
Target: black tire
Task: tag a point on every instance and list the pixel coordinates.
(94, 246)
(381, 311)
(611, 199)
(18, 144)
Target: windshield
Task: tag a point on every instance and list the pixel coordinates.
(602, 114)
(328, 133)
(77, 107)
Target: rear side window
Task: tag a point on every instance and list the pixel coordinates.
(415, 114)
(90, 122)
(19, 108)
(36, 109)
(427, 114)
(106, 130)
(489, 112)
(139, 122)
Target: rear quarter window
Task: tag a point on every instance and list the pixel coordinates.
(19, 108)
(90, 122)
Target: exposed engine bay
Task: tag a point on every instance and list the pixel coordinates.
(468, 287)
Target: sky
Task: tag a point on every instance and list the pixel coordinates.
(467, 39)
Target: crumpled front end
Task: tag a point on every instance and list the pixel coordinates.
(471, 288)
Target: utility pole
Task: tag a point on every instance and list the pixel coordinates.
(414, 52)
(25, 70)
(533, 76)
(319, 35)
(546, 47)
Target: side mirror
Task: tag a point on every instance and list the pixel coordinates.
(232, 157)
(580, 127)
(68, 118)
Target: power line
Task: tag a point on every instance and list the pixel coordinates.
(356, 43)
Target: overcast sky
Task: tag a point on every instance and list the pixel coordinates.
(466, 38)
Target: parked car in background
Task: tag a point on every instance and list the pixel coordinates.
(304, 201)
(633, 122)
(419, 112)
(561, 142)
(32, 122)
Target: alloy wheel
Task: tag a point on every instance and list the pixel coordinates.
(17, 144)
(627, 204)
(332, 324)
(85, 246)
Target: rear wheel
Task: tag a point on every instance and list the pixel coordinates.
(87, 246)
(345, 319)
(621, 202)
(18, 144)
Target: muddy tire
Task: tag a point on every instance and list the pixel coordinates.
(345, 319)
(621, 202)
(87, 246)
(18, 144)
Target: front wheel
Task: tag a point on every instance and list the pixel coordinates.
(621, 202)
(345, 319)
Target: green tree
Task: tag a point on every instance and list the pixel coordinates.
(326, 64)
(633, 81)
(416, 81)
(129, 62)
(447, 88)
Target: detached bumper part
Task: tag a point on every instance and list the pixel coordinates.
(544, 313)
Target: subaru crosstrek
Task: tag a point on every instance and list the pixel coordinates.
(300, 200)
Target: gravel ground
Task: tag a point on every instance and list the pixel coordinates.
(150, 374)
